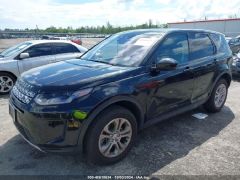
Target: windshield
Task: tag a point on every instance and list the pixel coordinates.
(124, 49)
(15, 49)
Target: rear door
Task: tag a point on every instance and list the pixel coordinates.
(203, 64)
(39, 55)
(65, 51)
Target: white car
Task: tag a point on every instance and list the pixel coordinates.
(31, 54)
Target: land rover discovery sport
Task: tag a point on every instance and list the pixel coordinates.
(97, 104)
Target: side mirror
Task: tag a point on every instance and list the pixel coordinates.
(165, 64)
(24, 55)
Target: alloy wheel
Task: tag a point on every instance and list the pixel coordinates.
(220, 95)
(6, 84)
(115, 137)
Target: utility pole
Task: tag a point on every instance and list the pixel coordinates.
(36, 31)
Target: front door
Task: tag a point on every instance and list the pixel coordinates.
(170, 89)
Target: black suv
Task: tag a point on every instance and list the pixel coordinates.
(97, 104)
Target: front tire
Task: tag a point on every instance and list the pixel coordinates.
(218, 97)
(111, 136)
(7, 82)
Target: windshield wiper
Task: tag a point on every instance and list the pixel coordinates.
(104, 62)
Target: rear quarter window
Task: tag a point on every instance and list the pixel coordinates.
(220, 43)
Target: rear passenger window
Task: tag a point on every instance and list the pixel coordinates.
(201, 46)
(61, 48)
(176, 47)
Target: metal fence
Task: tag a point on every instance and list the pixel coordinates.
(37, 35)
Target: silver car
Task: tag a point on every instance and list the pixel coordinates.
(31, 54)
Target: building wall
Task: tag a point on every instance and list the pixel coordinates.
(227, 27)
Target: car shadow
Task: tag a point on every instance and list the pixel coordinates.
(4, 96)
(156, 147)
(236, 78)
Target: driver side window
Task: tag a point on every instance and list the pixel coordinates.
(174, 46)
(39, 50)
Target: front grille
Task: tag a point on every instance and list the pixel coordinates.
(23, 91)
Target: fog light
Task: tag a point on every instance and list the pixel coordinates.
(73, 124)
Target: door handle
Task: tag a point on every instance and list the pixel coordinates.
(209, 64)
(187, 69)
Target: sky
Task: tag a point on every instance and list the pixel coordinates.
(21, 14)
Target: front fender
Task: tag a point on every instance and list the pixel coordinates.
(93, 114)
(10, 66)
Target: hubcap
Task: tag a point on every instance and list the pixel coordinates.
(115, 137)
(6, 84)
(220, 95)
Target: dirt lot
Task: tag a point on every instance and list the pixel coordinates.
(181, 145)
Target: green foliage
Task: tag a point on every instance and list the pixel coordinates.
(104, 29)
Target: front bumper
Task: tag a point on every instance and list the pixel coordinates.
(48, 132)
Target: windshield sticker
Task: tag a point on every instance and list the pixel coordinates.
(145, 41)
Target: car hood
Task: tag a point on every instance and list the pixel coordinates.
(73, 74)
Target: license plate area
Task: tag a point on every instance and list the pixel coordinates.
(13, 113)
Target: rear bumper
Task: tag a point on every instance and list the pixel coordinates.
(56, 132)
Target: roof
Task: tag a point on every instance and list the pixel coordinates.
(49, 41)
(213, 20)
(168, 30)
(57, 41)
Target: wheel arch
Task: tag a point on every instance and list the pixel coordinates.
(127, 102)
(8, 72)
(225, 75)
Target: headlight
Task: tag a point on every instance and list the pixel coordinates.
(57, 98)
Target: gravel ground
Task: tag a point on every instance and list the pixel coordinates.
(181, 145)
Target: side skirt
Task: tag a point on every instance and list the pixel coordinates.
(173, 113)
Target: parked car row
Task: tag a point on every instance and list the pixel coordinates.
(74, 39)
(236, 64)
(30, 54)
(96, 104)
(234, 44)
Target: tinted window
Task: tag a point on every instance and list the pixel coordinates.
(234, 41)
(201, 46)
(61, 48)
(39, 50)
(174, 46)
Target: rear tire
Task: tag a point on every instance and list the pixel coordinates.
(111, 136)
(218, 97)
(7, 82)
